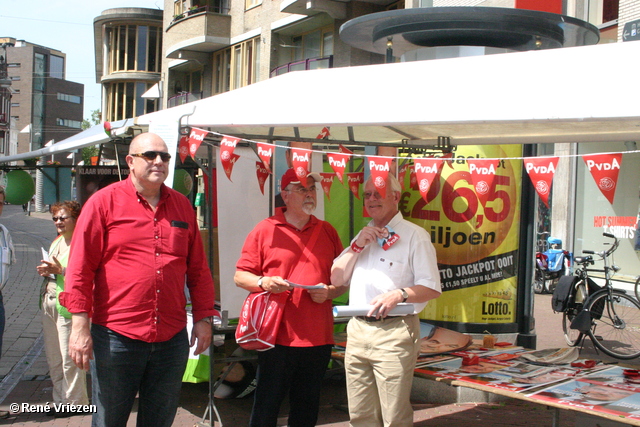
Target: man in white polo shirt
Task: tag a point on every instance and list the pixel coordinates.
(389, 262)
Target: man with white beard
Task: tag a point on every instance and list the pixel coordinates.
(293, 245)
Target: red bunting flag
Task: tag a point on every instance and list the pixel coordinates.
(324, 133)
(355, 179)
(605, 169)
(338, 162)
(427, 171)
(541, 171)
(228, 165)
(379, 168)
(300, 158)
(265, 152)
(227, 146)
(262, 173)
(183, 148)
(327, 180)
(195, 139)
(403, 172)
(482, 173)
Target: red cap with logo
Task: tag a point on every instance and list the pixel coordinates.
(290, 177)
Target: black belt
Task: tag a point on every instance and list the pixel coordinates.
(370, 319)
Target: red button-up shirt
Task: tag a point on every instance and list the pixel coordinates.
(128, 265)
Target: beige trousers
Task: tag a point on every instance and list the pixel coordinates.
(69, 382)
(379, 362)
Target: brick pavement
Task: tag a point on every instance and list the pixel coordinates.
(24, 326)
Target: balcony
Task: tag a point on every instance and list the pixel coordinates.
(198, 31)
(304, 64)
(183, 98)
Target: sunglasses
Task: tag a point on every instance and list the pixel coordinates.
(60, 218)
(152, 155)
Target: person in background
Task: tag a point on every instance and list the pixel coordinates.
(136, 244)
(7, 258)
(69, 381)
(390, 261)
(295, 245)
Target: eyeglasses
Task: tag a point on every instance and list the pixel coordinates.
(302, 190)
(60, 218)
(152, 155)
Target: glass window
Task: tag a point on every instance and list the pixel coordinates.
(313, 45)
(69, 98)
(124, 100)
(56, 67)
(143, 42)
(248, 4)
(134, 48)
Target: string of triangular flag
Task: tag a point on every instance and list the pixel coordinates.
(604, 167)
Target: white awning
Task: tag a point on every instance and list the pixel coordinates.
(92, 136)
(579, 94)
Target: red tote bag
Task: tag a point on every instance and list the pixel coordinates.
(262, 312)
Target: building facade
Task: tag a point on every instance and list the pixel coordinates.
(44, 106)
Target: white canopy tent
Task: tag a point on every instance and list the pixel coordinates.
(548, 96)
(579, 94)
(92, 136)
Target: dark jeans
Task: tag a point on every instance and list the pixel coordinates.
(296, 370)
(123, 367)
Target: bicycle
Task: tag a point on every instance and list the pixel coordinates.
(609, 316)
(636, 289)
(552, 262)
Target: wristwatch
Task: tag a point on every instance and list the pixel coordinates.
(260, 282)
(405, 295)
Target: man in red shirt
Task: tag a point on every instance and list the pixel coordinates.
(297, 246)
(136, 244)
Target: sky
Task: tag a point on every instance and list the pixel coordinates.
(67, 26)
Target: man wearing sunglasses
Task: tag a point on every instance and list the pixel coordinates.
(136, 244)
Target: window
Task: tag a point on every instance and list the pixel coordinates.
(179, 7)
(69, 123)
(14, 65)
(56, 66)
(15, 104)
(248, 4)
(124, 100)
(237, 66)
(134, 48)
(14, 78)
(75, 99)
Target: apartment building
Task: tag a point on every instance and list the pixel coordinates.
(43, 106)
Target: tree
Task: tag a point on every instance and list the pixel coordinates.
(88, 152)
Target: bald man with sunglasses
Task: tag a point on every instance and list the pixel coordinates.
(136, 244)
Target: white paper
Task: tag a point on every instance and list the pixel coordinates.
(45, 257)
(295, 285)
(363, 310)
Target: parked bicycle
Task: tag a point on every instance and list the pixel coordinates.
(552, 262)
(608, 316)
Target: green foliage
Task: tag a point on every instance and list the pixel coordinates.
(96, 119)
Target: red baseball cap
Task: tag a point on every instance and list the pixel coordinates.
(290, 177)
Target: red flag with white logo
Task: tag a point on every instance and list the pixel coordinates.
(482, 172)
(227, 146)
(183, 148)
(605, 169)
(338, 162)
(265, 152)
(262, 173)
(324, 133)
(228, 165)
(541, 171)
(355, 179)
(300, 158)
(427, 171)
(195, 139)
(327, 180)
(379, 168)
(402, 173)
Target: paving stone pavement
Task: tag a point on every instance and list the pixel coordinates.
(22, 358)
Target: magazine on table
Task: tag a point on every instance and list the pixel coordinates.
(588, 394)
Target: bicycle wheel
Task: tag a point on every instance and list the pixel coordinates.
(573, 336)
(538, 282)
(636, 290)
(616, 324)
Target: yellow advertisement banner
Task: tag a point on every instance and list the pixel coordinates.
(477, 245)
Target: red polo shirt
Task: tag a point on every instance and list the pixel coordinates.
(129, 265)
(269, 251)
